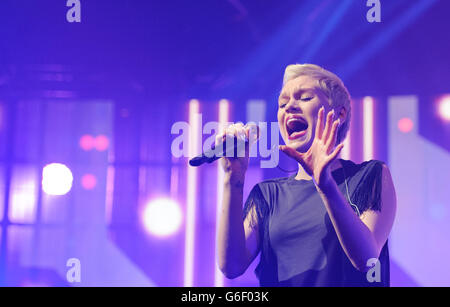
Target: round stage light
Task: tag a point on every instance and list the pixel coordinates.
(56, 179)
(87, 142)
(88, 181)
(162, 217)
(444, 107)
(101, 142)
(405, 125)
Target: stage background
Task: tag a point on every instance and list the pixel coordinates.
(101, 97)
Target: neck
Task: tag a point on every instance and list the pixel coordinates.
(303, 175)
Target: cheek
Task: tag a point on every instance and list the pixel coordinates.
(280, 120)
(313, 111)
(318, 103)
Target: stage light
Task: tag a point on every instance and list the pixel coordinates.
(56, 179)
(346, 152)
(101, 143)
(87, 142)
(444, 107)
(191, 186)
(162, 217)
(23, 196)
(368, 122)
(405, 125)
(88, 181)
(224, 116)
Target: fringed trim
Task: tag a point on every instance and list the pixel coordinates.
(367, 194)
(266, 270)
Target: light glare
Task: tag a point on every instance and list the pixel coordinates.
(444, 108)
(56, 179)
(162, 217)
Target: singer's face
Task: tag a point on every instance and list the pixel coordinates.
(298, 105)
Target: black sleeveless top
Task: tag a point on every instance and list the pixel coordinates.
(299, 246)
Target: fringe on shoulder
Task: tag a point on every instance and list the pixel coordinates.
(367, 194)
(266, 270)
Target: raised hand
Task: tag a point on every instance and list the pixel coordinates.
(319, 156)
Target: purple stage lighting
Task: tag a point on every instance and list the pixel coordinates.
(444, 107)
(101, 143)
(87, 142)
(405, 125)
(56, 179)
(88, 181)
(162, 217)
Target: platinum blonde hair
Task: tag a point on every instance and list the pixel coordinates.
(332, 86)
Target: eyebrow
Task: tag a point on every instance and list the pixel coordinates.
(300, 89)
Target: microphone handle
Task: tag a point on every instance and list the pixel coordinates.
(211, 156)
(199, 160)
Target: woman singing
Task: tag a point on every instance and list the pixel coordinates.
(326, 225)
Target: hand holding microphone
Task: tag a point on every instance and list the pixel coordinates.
(237, 163)
(233, 146)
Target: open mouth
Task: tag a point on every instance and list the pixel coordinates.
(296, 127)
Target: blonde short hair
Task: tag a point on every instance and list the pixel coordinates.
(332, 86)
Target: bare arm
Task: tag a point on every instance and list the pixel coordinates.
(361, 238)
(237, 240)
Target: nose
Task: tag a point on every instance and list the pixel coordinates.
(293, 106)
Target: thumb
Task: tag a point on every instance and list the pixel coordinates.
(291, 152)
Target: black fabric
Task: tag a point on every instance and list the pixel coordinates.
(299, 246)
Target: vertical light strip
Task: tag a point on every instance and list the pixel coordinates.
(109, 201)
(109, 194)
(224, 111)
(346, 152)
(174, 174)
(368, 105)
(194, 132)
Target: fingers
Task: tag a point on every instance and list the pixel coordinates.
(319, 124)
(235, 130)
(242, 133)
(328, 126)
(246, 133)
(336, 152)
(333, 135)
(238, 131)
(252, 132)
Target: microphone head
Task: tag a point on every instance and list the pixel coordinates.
(197, 161)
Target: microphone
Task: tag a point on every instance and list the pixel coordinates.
(219, 151)
(224, 149)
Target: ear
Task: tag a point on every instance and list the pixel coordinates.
(342, 114)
